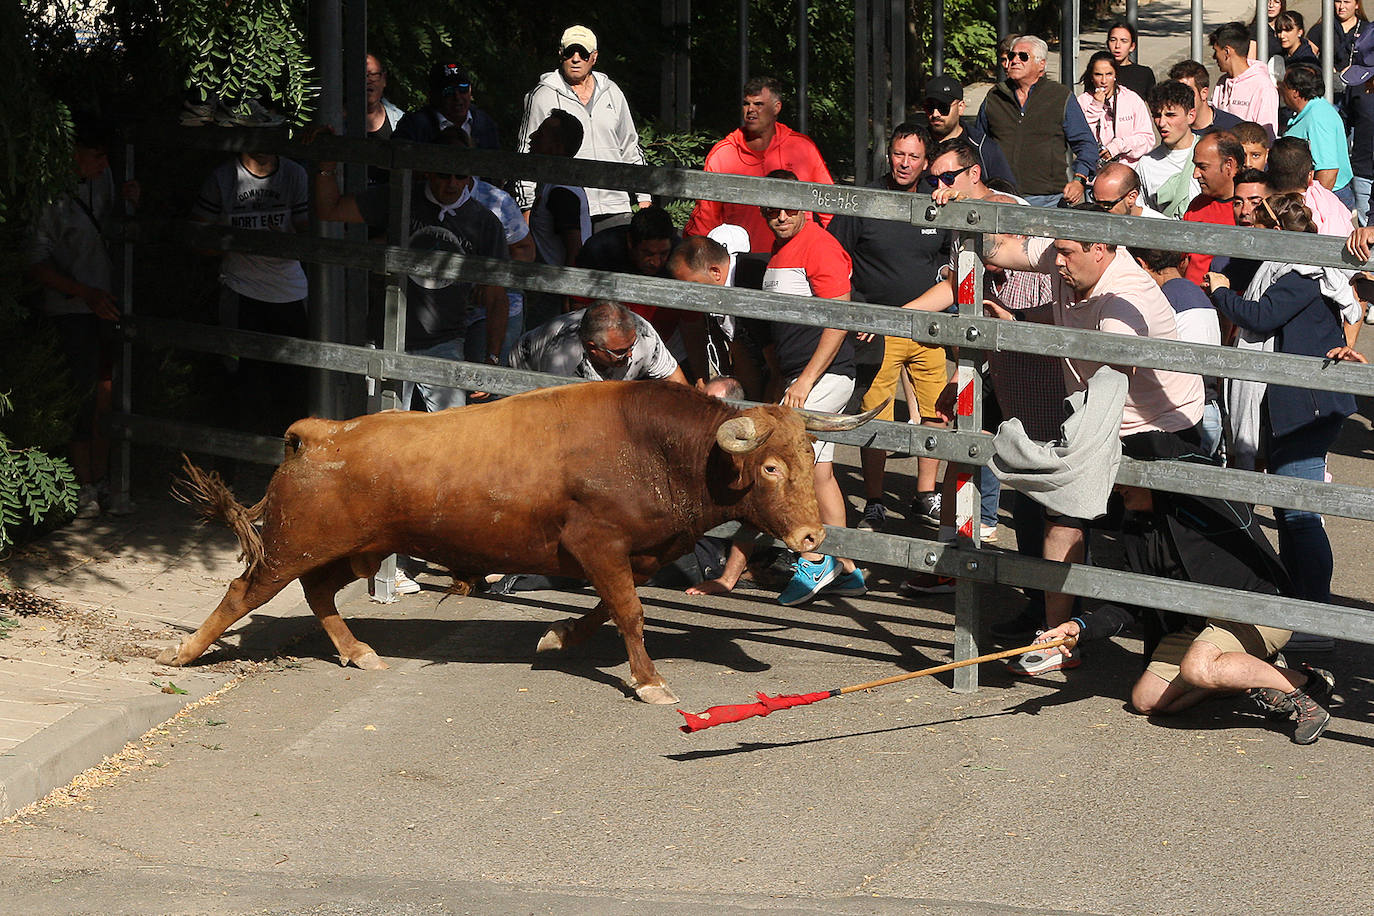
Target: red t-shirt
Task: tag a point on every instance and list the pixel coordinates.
(788, 150)
(1206, 209)
(811, 263)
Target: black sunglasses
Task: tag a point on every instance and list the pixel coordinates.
(1022, 56)
(932, 106)
(1109, 204)
(570, 50)
(944, 178)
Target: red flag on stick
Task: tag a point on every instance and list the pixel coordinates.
(719, 715)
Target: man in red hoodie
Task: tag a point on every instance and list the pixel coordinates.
(760, 145)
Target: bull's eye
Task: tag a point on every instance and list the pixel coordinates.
(774, 469)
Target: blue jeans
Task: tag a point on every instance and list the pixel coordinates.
(436, 397)
(990, 490)
(1303, 545)
(1363, 188)
(475, 344)
(1043, 200)
(1346, 195)
(1210, 428)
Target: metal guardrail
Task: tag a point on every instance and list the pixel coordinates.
(969, 331)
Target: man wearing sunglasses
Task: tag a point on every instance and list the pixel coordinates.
(450, 102)
(1117, 189)
(1039, 126)
(602, 342)
(894, 262)
(608, 131)
(944, 107)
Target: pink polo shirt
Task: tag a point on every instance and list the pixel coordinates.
(1125, 300)
(1331, 216)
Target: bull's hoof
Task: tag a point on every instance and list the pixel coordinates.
(554, 637)
(169, 657)
(368, 661)
(658, 694)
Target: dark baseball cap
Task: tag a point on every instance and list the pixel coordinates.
(444, 76)
(944, 90)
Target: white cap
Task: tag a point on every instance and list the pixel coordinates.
(734, 238)
(578, 35)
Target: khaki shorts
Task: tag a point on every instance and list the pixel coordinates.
(1226, 635)
(830, 394)
(926, 366)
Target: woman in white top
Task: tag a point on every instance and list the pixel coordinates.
(1119, 118)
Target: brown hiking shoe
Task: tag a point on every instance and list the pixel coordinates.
(1310, 702)
(1274, 703)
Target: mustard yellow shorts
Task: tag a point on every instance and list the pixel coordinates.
(1226, 635)
(924, 363)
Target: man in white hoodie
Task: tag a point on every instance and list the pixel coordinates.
(1246, 89)
(609, 133)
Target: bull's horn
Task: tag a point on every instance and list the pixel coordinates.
(834, 422)
(740, 435)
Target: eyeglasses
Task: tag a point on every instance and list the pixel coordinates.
(934, 106)
(458, 89)
(1022, 56)
(773, 212)
(1110, 204)
(568, 52)
(616, 356)
(944, 178)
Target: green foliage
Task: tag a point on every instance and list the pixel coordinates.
(970, 37)
(675, 149)
(32, 485)
(237, 52)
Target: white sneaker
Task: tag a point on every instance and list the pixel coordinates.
(405, 585)
(87, 501)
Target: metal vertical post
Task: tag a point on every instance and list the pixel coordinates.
(937, 37)
(803, 101)
(394, 341)
(968, 600)
(1328, 48)
(121, 471)
(1003, 20)
(1195, 32)
(1262, 31)
(326, 282)
(744, 42)
(1067, 8)
(877, 126)
(352, 324)
(861, 78)
(898, 26)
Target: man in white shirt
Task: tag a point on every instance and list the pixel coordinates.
(1166, 172)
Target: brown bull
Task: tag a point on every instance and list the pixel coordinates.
(606, 481)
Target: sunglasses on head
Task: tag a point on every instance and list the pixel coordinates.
(944, 178)
(570, 50)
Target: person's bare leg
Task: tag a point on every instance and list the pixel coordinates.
(873, 462)
(735, 564)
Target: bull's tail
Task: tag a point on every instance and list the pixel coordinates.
(213, 499)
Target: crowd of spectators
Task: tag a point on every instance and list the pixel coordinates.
(1262, 148)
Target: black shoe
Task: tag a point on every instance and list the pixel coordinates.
(1026, 623)
(1311, 701)
(926, 507)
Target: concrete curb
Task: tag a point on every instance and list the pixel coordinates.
(88, 735)
(75, 743)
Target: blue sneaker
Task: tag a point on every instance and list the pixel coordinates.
(809, 579)
(848, 585)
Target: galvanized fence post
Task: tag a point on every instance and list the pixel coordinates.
(968, 418)
(387, 391)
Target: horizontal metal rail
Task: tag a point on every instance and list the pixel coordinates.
(977, 216)
(902, 438)
(926, 327)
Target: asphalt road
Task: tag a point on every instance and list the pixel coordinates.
(474, 777)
